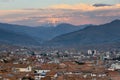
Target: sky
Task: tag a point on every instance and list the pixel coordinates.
(42, 12)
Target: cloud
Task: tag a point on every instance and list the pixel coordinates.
(102, 5)
(75, 14)
(86, 7)
(82, 7)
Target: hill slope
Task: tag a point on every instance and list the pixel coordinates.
(92, 35)
(47, 33)
(10, 37)
(24, 35)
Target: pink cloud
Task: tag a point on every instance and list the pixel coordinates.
(84, 7)
(75, 14)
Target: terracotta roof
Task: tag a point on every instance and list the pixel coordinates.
(46, 78)
(51, 73)
(48, 66)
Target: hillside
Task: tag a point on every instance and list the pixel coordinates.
(10, 37)
(92, 35)
(24, 35)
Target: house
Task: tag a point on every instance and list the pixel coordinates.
(22, 68)
(115, 66)
(52, 74)
(40, 73)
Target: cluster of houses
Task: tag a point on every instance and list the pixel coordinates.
(58, 66)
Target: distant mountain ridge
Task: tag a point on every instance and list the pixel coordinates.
(61, 35)
(10, 37)
(92, 35)
(51, 32)
(17, 34)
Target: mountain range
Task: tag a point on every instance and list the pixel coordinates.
(10, 37)
(24, 35)
(108, 33)
(61, 35)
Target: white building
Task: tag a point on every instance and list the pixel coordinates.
(90, 52)
(115, 66)
(40, 73)
(22, 68)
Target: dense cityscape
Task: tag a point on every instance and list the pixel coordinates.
(26, 64)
